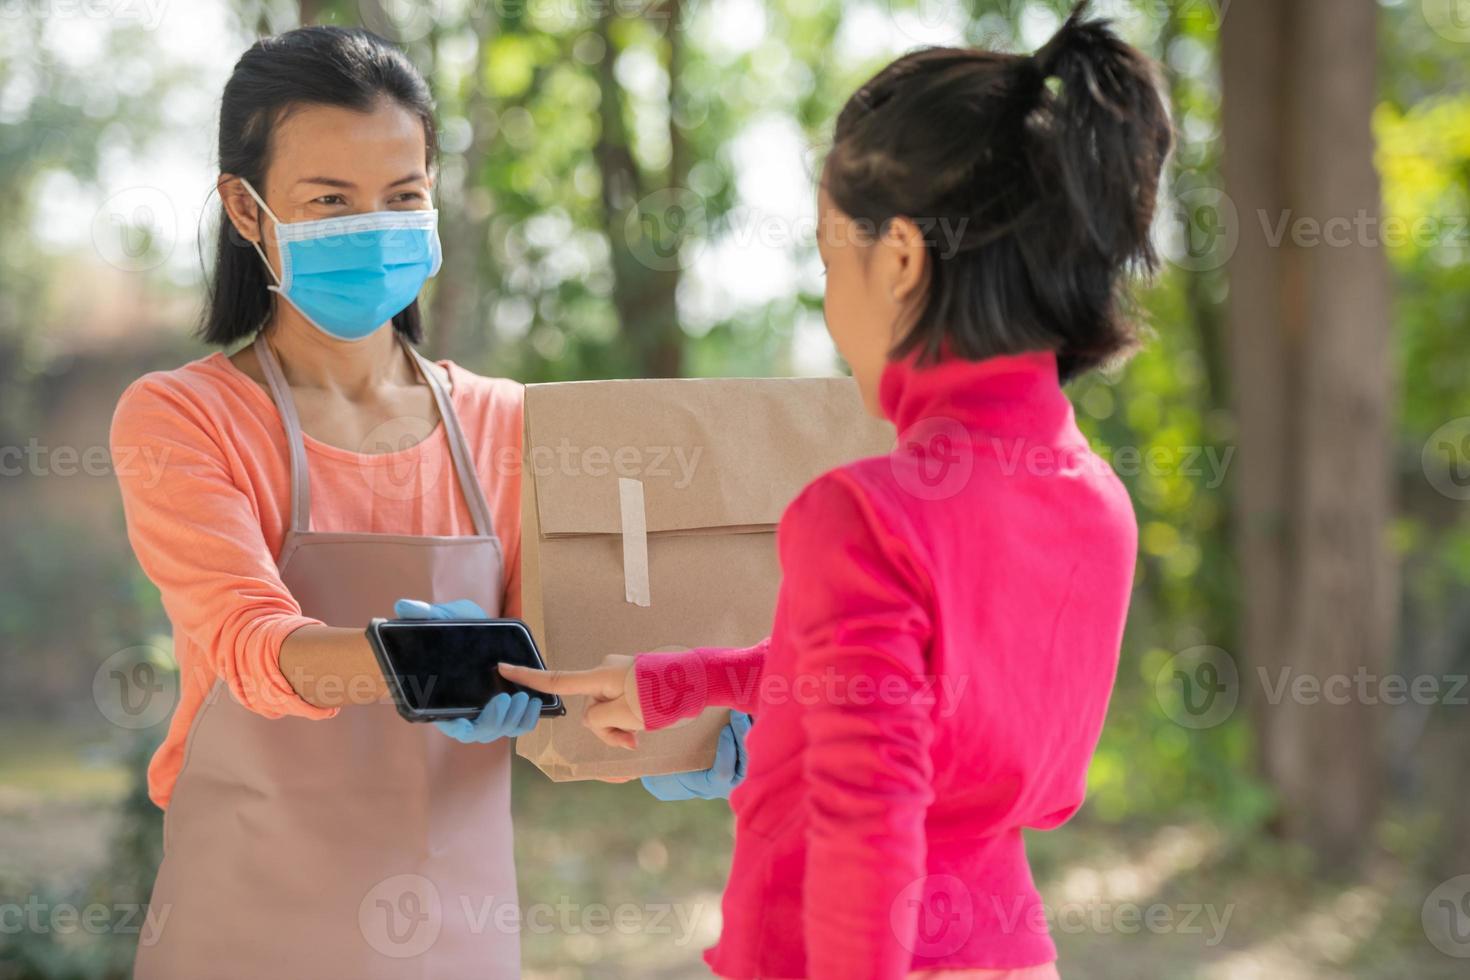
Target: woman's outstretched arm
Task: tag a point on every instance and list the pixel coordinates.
(198, 537)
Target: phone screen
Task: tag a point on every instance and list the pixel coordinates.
(446, 668)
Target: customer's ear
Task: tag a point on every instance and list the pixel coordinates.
(908, 259)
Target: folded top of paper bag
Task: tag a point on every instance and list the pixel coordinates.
(709, 452)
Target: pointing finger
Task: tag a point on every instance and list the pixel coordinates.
(598, 682)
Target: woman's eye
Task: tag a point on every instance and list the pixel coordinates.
(330, 199)
(408, 196)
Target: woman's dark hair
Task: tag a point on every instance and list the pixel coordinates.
(1035, 196)
(332, 66)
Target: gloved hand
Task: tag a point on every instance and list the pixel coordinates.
(718, 780)
(507, 715)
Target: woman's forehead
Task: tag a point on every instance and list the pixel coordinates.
(327, 138)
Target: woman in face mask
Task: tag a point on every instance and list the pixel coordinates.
(310, 478)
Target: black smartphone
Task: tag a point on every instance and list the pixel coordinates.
(441, 669)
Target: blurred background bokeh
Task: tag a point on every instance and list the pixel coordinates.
(626, 189)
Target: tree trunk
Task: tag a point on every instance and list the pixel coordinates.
(1308, 325)
(457, 304)
(643, 293)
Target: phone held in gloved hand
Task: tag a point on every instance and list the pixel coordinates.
(442, 669)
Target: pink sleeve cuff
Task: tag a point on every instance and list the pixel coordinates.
(675, 686)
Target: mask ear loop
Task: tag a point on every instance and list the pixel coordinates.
(256, 245)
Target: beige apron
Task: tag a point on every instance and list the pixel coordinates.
(362, 846)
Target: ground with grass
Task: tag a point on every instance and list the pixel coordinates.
(617, 885)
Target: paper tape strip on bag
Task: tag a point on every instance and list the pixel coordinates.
(635, 542)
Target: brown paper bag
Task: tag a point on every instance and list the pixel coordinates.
(649, 511)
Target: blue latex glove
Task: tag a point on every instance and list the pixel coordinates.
(716, 782)
(507, 715)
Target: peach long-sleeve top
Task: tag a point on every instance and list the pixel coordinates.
(208, 519)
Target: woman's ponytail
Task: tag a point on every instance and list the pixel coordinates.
(1108, 131)
(1038, 175)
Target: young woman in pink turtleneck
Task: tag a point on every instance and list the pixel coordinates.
(949, 619)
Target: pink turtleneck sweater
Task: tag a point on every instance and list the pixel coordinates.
(944, 646)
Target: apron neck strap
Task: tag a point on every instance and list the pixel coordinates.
(295, 448)
(469, 482)
(459, 451)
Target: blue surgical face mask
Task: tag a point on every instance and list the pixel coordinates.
(350, 275)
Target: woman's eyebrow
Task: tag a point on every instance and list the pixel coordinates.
(414, 177)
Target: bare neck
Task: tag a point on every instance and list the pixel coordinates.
(312, 359)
